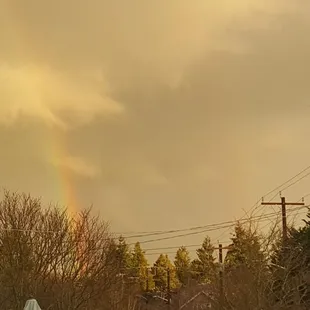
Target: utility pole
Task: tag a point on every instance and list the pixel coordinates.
(221, 274)
(147, 280)
(168, 288)
(283, 204)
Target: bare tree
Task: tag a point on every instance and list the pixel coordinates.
(66, 263)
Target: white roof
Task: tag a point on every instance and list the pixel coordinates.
(32, 304)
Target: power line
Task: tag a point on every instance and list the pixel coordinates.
(260, 219)
(211, 228)
(283, 205)
(303, 197)
(207, 228)
(280, 187)
(252, 210)
(202, 228)
(159, 253)
(306, 175)
(177, 247)
(198, 245)
(289, 180)
(289, 185)
(165, 232)
(257, 204)
(267, 216)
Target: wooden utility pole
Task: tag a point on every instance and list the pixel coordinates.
(147, 279)
(283, 204)
(221, 274)
(168, 287)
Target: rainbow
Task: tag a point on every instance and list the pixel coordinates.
(63, 174)
(56, 150)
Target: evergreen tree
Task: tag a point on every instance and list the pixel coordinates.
(182, 265)
(302, 237)
(246, 272)
(123, 256)
(204, 267)
(140, 270)
(245, 249)
(160, 273)
(290, 265)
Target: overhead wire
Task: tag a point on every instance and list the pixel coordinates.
(210, 228)
(251, 210)
(290, 185)
(203, 227)
(257, 203)
(177, 247)
(147, 251)
(280, 188)
(200, 229)
(297, 181)
(304, 196)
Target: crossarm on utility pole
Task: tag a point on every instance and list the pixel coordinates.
(283, 203)
(280, 203)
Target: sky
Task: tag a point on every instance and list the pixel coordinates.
(161, 114)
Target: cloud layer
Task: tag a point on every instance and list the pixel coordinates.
(59, 56)
(178, 107)
(42, 92)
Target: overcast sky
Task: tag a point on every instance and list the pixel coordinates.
(162, 114)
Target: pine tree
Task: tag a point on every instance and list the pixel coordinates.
(204, 267)
(246, 271)
(245, 249)
(182, 265)
(123, 255)
(139, 266)
(160, 272)
(290, 265)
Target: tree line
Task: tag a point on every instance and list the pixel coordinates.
(77, 263)
(181, 270)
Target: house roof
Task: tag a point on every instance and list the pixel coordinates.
(194, 297)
